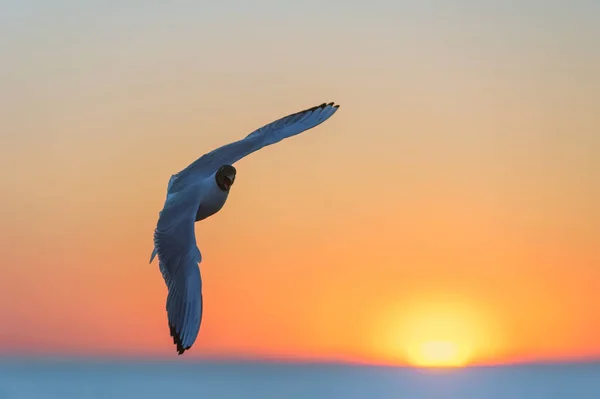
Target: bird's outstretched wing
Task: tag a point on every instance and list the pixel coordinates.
(178, 256)
(272, 133)
(171, 179)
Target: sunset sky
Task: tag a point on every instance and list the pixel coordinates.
(450, 205)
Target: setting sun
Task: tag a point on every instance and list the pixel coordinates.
(437, 334)
(441, 335)
(439, 354)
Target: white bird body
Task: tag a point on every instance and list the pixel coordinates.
(196, 193)
(213, 199)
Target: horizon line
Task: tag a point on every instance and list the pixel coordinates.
(283, 360)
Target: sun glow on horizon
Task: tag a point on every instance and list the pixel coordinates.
(439, 354)
(443, 334)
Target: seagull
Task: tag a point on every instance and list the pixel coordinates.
(197, 192)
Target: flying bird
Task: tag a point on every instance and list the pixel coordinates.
(197, 192)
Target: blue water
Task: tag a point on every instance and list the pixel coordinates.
(83, 379)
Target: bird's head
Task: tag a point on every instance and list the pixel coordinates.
(225, 177)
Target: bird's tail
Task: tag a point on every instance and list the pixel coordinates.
(153, 255)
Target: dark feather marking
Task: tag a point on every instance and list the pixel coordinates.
(177, 340)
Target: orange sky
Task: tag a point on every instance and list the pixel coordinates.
(453, 196)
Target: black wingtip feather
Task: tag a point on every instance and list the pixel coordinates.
(177, 340)
(314, 109)
(319, 107)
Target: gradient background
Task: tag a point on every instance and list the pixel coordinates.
(459, 182)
